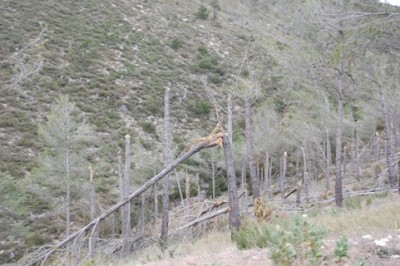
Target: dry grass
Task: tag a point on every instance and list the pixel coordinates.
(363, 215)
(212, 243)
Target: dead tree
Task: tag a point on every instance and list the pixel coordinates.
(215, 138)
(234, 215)
(166, 159)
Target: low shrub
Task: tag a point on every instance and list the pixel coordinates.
(289, 241)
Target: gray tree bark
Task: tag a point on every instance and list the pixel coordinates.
(234, 215)
(282, 175)
(339, 137)
(267, 176)
(126, 223)
(255, 182)
(166, 159)
(388, 131)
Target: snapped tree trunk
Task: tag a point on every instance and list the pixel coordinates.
(126, 209)
(255, 182)
(43, 253)
(234, 215)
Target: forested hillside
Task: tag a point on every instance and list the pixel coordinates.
(99, 96)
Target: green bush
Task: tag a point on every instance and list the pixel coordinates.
(342, 248)
(203, 50)
(202, 12)
(216, 79)
(289, 241)
(176, 44)
(148, 127)
(202, 108)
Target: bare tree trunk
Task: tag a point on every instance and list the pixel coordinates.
(68, 196)
(230, 127)
(121, 189)
(155, 201)
(388, 131)
(377, 155)
(142, 214)
(166, 159)
(92, 206)
(243, 176)
(255, 182)
(187, 186)
(213, 173)
(282, 175)
(356, 155)
(267, 177)
(126, 224)
(234, 215)
(339, 133)
(179, 189)
(328, 160)
(305, 178)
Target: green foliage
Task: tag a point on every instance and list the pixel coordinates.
(208, 63)
(202, 108)
(176, 44)
(215, 4)
(203, 50)
(288, 241)
(202, 12)
(342, 248)
(11, 195)
(148, 127)
(216, 79)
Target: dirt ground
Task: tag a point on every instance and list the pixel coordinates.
(253, 257)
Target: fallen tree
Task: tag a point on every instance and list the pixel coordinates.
(215, 138)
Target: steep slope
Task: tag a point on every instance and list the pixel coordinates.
(114, 60)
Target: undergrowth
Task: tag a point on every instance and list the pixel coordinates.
(289, 240)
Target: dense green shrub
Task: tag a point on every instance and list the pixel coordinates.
(342, 248)
(289, 241)
(148, 127)
(176, 44)
(202, 12)
(202, 108)
(208, 63)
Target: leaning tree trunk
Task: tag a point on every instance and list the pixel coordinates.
(255, 182)
(234, 215)
(166, 159)
(42, 254)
